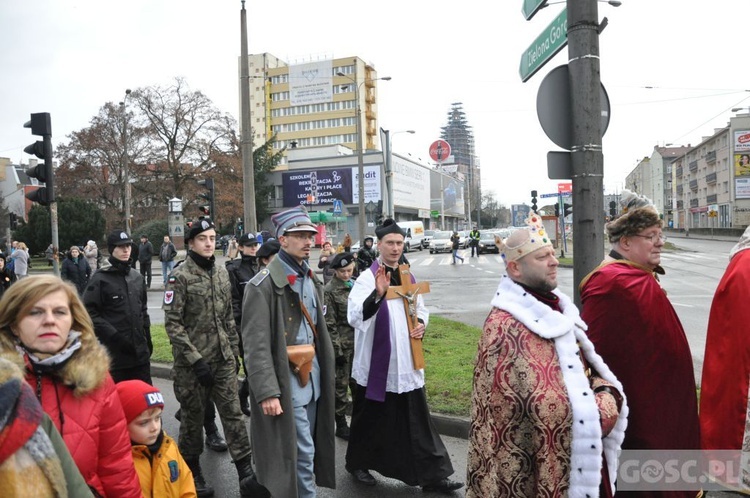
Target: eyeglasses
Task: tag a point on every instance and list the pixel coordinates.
(650, 238)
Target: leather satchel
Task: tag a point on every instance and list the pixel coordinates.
(301, 355)
(301, 360)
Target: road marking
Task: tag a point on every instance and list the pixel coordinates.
(427, 261)
(683, 305)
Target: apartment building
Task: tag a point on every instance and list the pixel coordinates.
(313, 104)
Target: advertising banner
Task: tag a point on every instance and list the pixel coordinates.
(311, 83)
(451, 197)
(330, 184)
(742, 188)
(372, 184)
(742, 164)
(519, 212)
(742, 141)
(411, 184)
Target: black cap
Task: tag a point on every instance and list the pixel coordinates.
(268, 249)
(388, 226)
(341, 260)
(247, 239)
(199, 227)
(118, 238)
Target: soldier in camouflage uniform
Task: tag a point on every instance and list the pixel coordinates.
(342, 334)
(205, 345)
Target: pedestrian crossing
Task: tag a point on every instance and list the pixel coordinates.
(687, 256)
(446, 259)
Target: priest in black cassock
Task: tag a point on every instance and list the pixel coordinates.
(391, 431)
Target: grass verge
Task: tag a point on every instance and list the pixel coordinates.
(450, 348)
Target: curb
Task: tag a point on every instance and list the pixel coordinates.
(446, 425)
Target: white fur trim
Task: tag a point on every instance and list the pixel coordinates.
(567, 330)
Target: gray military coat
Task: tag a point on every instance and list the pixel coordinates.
(270, 317)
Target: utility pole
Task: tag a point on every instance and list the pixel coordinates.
(586, 152)
(246, 138)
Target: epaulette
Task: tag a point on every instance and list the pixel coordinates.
(261, 276)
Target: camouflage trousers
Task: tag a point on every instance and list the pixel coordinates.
(193, 399)
(344, 380)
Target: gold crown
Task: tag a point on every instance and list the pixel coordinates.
(524, 241)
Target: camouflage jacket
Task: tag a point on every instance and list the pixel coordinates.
(342, 334)
(198, 314)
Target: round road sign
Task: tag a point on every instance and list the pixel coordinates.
(440, 150)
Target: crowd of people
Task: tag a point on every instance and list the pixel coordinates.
(557, 394)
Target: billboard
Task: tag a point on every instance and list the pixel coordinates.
(519, 213)
(451, 197)
(742, 141)
(329, 184)
(311, 83)
(411, 184)
(742, 164)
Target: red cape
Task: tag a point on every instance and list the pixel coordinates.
(726, 365)
(636, 330)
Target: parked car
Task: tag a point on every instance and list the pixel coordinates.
(441, 242)
(487, 243)
(463, 239)
(427, 238)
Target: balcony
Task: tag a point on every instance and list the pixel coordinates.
(711, 178)
(711, 157)
(679, 172)
(694, 203)
(711, 199)
(693, 185)
(693, 166)
(680, 204)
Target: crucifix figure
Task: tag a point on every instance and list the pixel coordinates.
(409, 292)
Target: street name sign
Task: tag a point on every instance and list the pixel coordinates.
(531, 7)
(546, 46)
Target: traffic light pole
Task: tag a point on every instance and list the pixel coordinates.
(50, 184)
(586, 152)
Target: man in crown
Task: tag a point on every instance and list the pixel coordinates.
(546, 411)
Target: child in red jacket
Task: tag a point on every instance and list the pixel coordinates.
(158, 462)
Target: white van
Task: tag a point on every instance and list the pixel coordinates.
(414, 234)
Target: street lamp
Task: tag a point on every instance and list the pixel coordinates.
(360, 151)
(125, 161)
(390, 208)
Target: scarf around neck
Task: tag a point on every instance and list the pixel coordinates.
(44, 363)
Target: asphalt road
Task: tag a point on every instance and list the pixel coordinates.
(462, 292)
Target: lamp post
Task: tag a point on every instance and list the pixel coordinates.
(390, 208)
(360, 151)
(125, 162)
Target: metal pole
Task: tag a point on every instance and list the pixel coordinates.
(246, 138)
(360, 163)
(586, 153)
(125, 165)
(442, 201)
(390, 209)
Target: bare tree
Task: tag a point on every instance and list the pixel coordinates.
(185, 128)
(91, 162)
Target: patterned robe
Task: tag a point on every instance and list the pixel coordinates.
(535, 428)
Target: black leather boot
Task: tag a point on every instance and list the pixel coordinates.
(201, 488)
(249, 485)
(244, 390)
(214, 441)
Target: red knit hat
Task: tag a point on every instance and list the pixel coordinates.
(136, 397)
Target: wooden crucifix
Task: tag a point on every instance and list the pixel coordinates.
(409, 293)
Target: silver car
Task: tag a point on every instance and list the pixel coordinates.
(441, 242)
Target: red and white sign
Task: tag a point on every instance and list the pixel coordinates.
(564, 188)
(440, 150)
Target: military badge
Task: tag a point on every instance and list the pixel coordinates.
(168, 297)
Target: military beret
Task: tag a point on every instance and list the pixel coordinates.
(341, 260)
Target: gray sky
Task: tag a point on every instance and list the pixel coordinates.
(673, 69)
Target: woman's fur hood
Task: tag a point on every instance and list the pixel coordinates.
(85, 371)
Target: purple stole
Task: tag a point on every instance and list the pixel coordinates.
(381, 350)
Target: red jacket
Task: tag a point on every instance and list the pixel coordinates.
(96, 434)
(82, 401)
